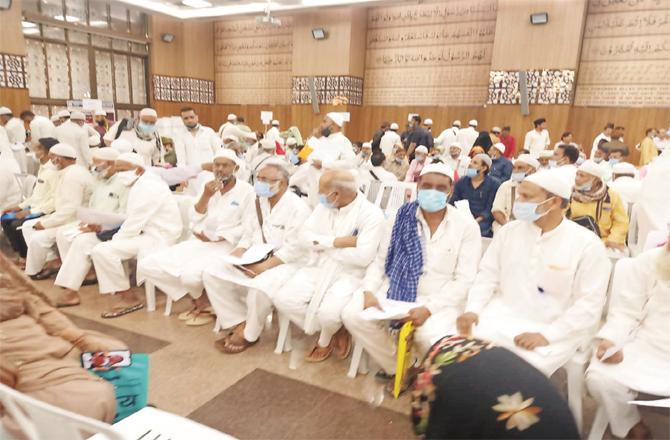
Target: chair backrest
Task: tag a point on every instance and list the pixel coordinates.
(392, 195)
(620, 272)
(26, 184)
(39, 420)
(185, 202)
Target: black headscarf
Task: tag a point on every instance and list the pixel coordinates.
(469, 388)
(484, 141)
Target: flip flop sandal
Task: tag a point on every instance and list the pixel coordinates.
(201, 319)
(185, 316)
(45, 274)
(347, 352)
(63, 305)
(117, 313)
(309, 357)
(231, 348)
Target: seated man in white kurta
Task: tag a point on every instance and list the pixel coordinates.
(541, 284)
(638, 323)
(344, 232)
(152, 222)
(243, 299)
(216, 222)
(434, 250)
(109, 196)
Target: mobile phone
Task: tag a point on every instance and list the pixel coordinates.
(105, 359)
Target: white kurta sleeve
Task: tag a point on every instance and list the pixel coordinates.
(455, 291)
(346, 160)
(111, 133)
(215, 143)
(77, 189)
(249, 227)
(588, 296)
(292, 248)
(629, 296)
(82, 140)
(527, 141)
(180, 151)
(487, 281)
(367, 241)
(375, 274)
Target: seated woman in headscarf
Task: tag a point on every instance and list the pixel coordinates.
(483, 140)
(469, 388)
(40, 351)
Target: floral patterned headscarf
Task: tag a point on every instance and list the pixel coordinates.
(469, 388)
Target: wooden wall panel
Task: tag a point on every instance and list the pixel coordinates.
(16, 99)
(523, 46)
(12, 41)
(625, 55)
(167, 58)
(199, 49)
(437, 52)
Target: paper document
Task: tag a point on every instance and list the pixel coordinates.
(611, 351)
(660, 403)
(108, 220)
(391, 309)
(254, 254)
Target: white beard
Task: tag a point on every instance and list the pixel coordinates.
(663, 265)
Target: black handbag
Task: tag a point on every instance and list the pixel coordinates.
(107, 235)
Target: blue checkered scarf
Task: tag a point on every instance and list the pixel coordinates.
(404, 260)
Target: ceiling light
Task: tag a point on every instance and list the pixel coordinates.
(67, 18)
(197, 3)
(98, 23)
(28, 24)
(31, 31)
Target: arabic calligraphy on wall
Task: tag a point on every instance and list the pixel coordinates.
(456, 33)
(253, 62)
(418, 77)
(625, 57)
(327, 88)
(433, 13)
(543, 86)
(456, 95)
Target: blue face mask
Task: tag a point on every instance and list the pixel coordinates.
(432, 200)
(295, 160)
(527, 211)
(518, 177)
(614, 161)
(323, 199)
(264, 189)
(471, 172)
(553, 164)
(146, 128)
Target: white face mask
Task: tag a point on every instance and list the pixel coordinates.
(127, 178)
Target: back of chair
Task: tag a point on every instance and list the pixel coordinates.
(26, 183)
(38, 420)
(392, 195)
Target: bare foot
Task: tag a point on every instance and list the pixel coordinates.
(67, 297)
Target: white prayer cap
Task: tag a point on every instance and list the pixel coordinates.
(457, 123)
(623, 168)
(439, 168)
(5, 111)
(291, 142)
(473, 123)
(554, 181)
(100, 113)
(495, 130)
(131, 158)
(249, 135)
(55, 118)
(456, 144)
(367, 145)
(148, 112)
(122, 145)
(428, 121)
(77, 116)
(528, 160)
(227, 153)
(547, 153)
(106, 153)
(63, 114)
(337, 118)
(484, 158)
(63, 150)
(500, 147)
(421, 149)
(232, 117)
(275, 123)
(592, 168)
(275, 161)
(267, 144)
(231, 137)
(94, 140)
(394, 126)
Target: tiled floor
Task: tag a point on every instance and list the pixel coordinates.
(188, 376)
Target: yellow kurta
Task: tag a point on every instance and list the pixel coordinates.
(613, 222)
(648, 151)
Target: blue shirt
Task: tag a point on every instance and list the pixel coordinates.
(480, 200)
(501, 169)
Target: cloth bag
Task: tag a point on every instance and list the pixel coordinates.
(131, 385)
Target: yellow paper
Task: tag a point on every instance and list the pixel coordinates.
(305, 152)
(404, 356)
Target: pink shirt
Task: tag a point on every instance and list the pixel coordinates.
(414, 170)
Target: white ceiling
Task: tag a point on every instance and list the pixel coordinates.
(223, 8)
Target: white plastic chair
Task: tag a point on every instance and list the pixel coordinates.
(26, 184)
(599, 425)
(392, 195)
(359, 361)
(39, 420)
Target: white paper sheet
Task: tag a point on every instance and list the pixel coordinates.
(390, 310)
(108, 220)
(660, 403)
(611, 351)
(254, 254)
